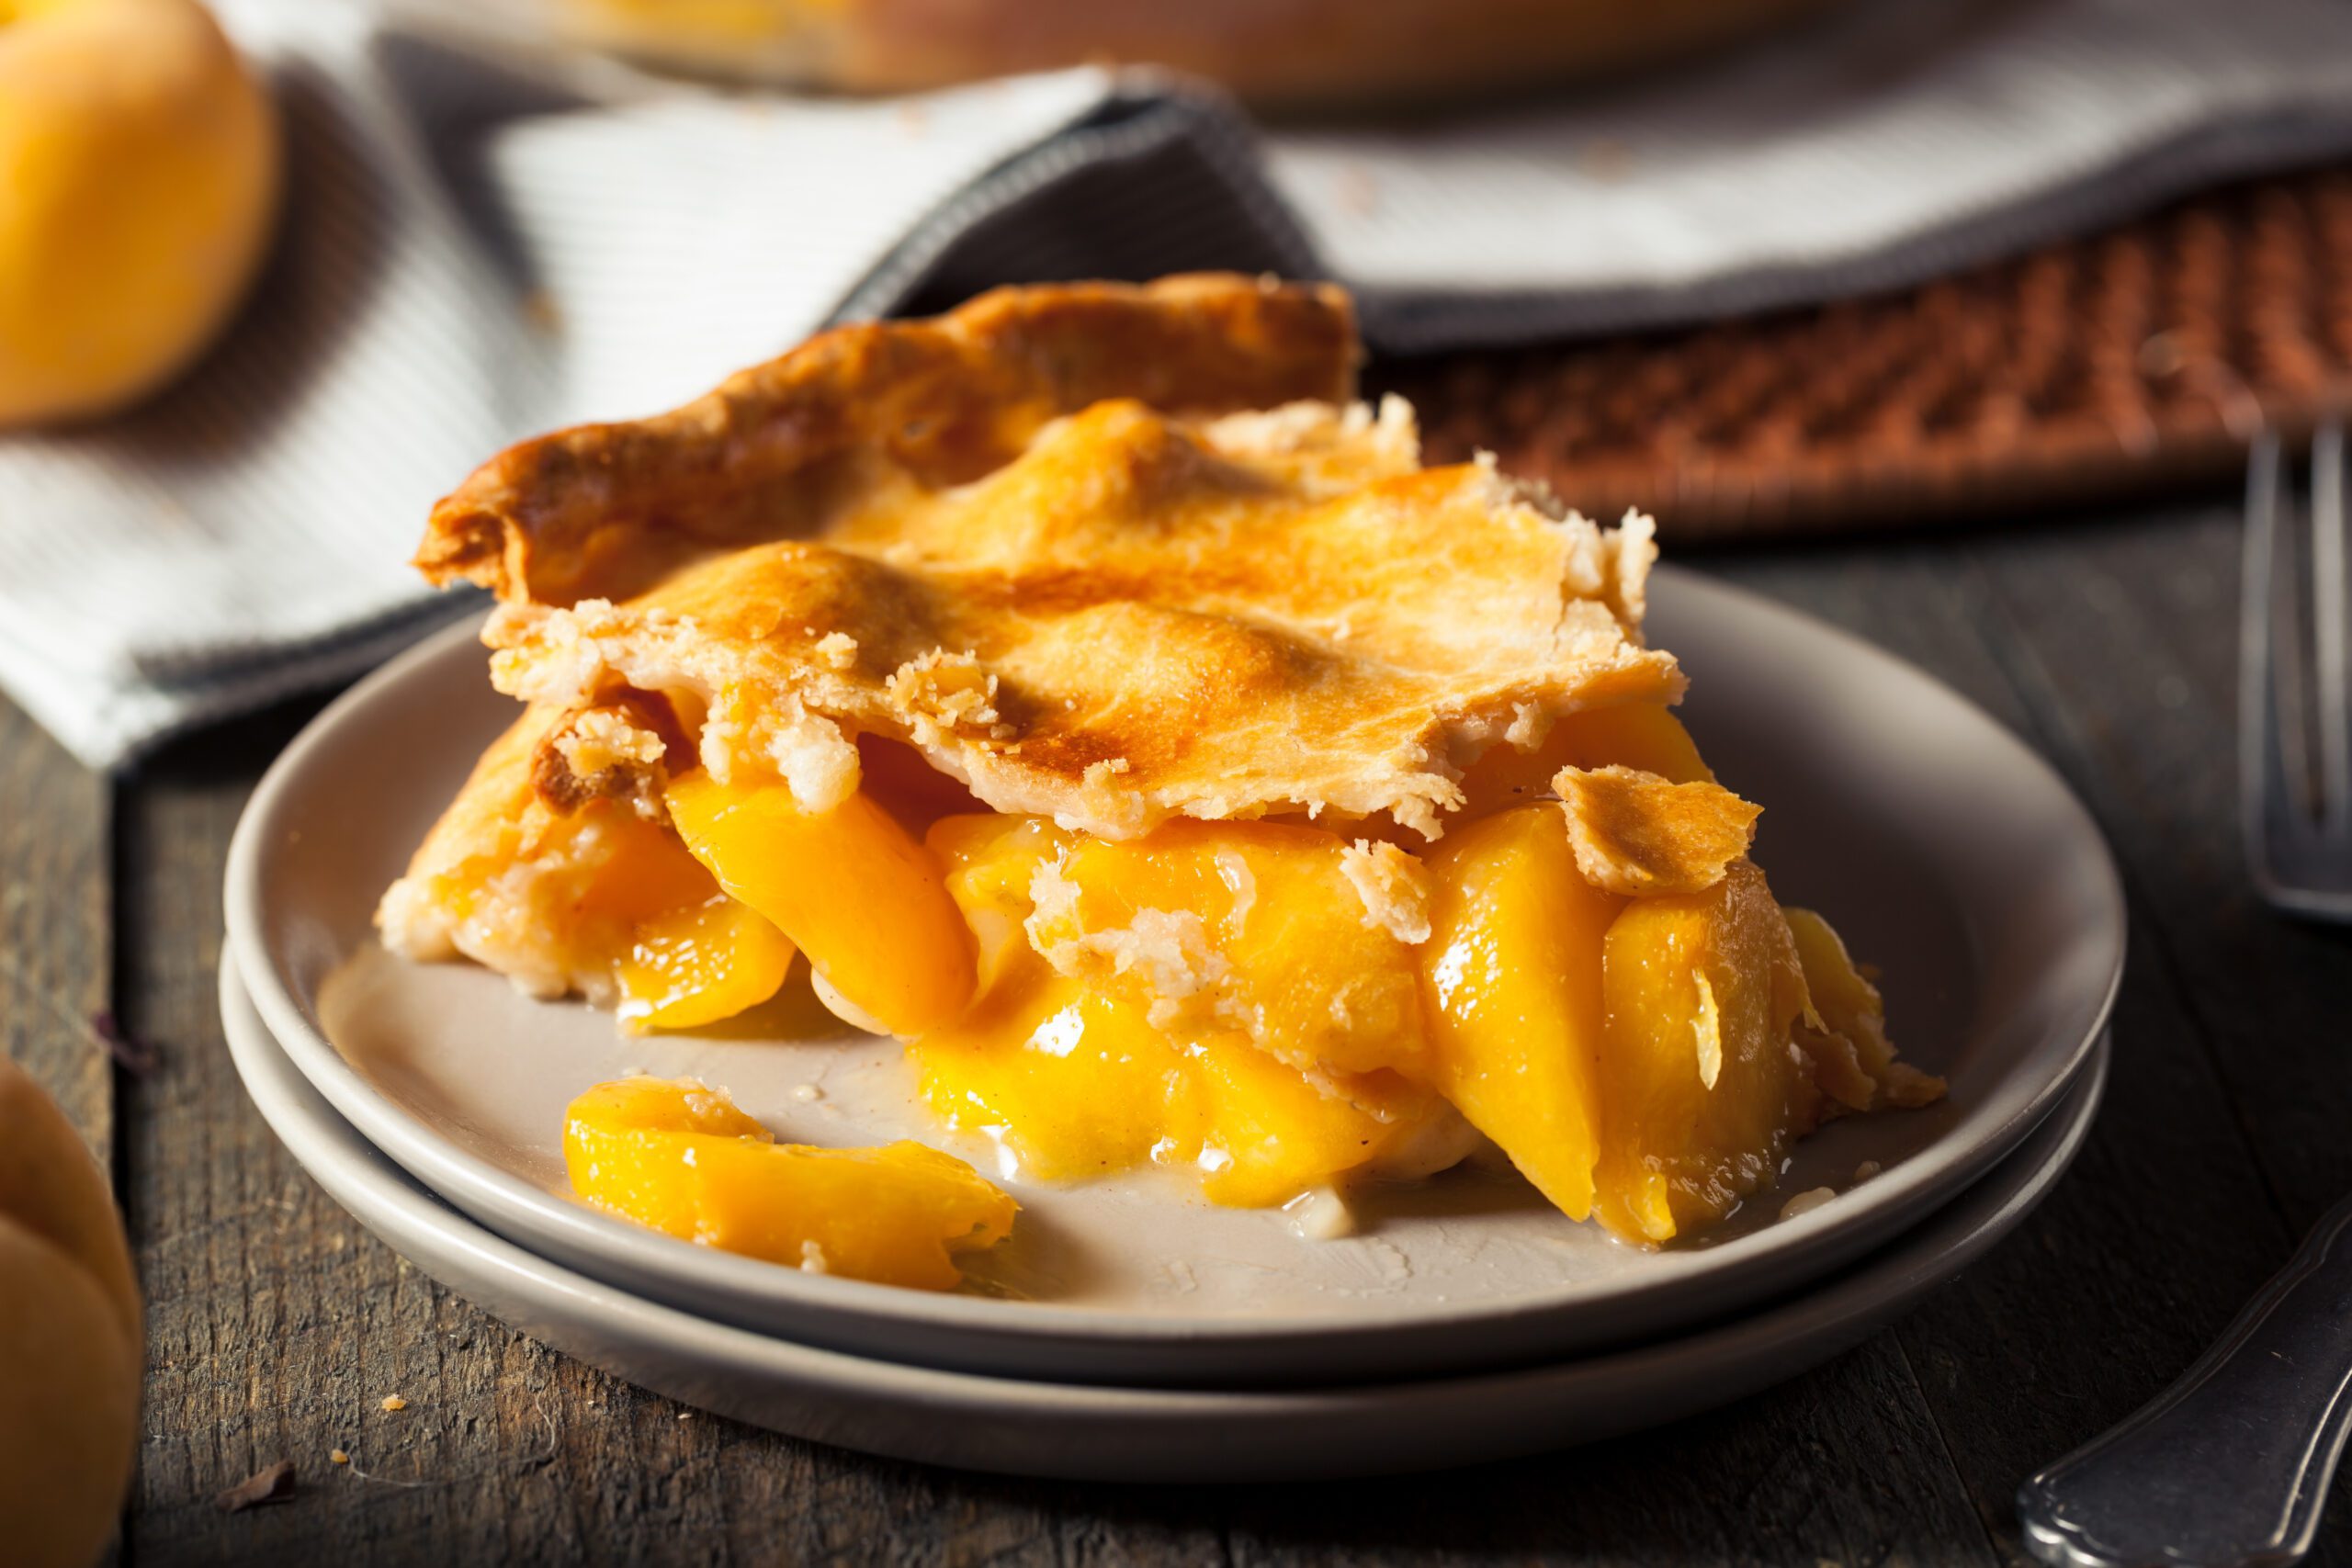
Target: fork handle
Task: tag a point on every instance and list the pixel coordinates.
(2229, 1465)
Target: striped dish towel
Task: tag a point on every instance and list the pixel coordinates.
(482, 240)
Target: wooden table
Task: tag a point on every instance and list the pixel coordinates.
(277, 1325)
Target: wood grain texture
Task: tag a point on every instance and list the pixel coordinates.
(2169, 1159)
(55, 954)
(280, 1324)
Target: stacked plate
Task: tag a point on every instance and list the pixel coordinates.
(1124, 1333)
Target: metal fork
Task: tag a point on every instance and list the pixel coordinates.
(2295, 807)
(2230, 1464)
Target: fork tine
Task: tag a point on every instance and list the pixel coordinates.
(2263, 799)
(2331, 635)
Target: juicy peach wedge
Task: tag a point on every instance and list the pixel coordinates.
(683, 1159)
(1511, 975)
(851, 888)
(700, 963)
(1702, 1091)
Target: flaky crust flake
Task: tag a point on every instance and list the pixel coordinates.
(1641, 836)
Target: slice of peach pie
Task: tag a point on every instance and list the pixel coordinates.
(1112, 708)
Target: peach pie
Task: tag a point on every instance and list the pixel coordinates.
(1105, 703)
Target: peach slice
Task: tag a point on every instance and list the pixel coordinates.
(683, 1159)
(1512, 979)
(1702, 1091)
(698, 965)
(851, 888)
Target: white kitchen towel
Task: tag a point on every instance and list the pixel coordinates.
(481, 240)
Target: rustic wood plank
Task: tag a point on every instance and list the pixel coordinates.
(2138, 654)
(54, 954)
(277, 1325)
(55, 951)
(2124, 640)
(1839, 1466)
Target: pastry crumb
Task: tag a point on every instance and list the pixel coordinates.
(839, 650)
(1394, 888)
(1866, 1169)
(393, 1401)
(942, 693)
(1529, 726)
(336, 1456)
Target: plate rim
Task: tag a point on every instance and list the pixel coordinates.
(1786, 1338)
(1903, 1196)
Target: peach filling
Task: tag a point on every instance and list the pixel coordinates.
(1276, 1008)
(1142, 1003)
(682, 1159)
(1511, 978)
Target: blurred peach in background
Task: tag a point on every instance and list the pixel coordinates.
(140, 159)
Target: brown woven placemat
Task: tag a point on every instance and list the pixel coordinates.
(2110, 367)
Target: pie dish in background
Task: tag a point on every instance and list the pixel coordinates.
(1275, 52)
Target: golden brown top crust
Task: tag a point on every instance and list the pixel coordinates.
(1638, 835)
(605, 510)
(1141, 615)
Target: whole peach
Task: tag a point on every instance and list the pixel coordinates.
(71, 1345)
(139, 174)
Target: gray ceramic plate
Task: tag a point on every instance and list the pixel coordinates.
(1093, 1432)
(1947, 852)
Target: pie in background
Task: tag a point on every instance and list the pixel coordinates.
(1280, 53)
(1109, 705)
